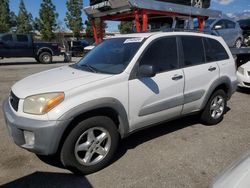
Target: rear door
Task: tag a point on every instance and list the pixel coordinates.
(161, 97)
(224, 32)
(199, 73)
(232, 32)
(23, 46)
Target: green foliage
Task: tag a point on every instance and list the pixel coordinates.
(125, 27)
(46, 24)
(13, 19)
(74, 16)
(5, 23)
(24, 20)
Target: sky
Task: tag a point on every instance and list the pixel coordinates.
(226, 6)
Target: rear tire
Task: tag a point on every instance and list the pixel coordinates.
(45, 58)
(198, 3)
(215, 109)
(238, 43)
(90, 146)
(37, 59)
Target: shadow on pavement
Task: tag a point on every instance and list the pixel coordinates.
(153, 132)
(243, 90)
(49, 180)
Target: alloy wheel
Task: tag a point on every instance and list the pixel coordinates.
(217, 107)
(92, 146)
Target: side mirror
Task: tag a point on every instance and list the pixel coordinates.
(217, 27)
(147, 71)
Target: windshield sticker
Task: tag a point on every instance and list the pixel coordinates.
(133, 40)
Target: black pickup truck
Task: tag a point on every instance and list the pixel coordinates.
(22, 45)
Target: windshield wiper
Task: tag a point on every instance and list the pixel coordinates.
(92, 69)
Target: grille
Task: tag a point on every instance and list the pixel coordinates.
(14, 101)
(247, 84)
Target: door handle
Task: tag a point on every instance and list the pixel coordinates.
(212, 69)
(177, 77)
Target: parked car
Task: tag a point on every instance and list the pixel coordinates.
(21, 45)
(195, 3)
(77, 47)
(124, 84)
(245, 26)
(228, 29)
(236, 175)
(87, 49)
(243, 75)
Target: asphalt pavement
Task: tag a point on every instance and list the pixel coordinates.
(177, 154)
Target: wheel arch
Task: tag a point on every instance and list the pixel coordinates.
(109, 107)
(44, 49)
(223, 83)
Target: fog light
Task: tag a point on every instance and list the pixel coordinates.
(29, 138)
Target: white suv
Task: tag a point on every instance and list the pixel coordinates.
(80, 112)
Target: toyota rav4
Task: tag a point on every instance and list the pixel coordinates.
(123, 85)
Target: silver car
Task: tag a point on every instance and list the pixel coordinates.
(228, 29)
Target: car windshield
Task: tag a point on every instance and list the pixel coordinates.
(110, 57)
(207, 23)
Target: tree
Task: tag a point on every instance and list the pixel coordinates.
(13, 19)
(125, 27)
(5, 23)
(47, 21)
(74, 16)
(24, 20)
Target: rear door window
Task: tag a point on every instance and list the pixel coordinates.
(22, 38)
(193, 50)
(214, 50)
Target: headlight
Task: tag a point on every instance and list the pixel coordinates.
(241, 70)
(42, 103)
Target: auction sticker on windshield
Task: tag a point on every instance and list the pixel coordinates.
(133, 40)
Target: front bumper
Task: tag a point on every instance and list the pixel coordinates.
(243, 80)
(47, 133)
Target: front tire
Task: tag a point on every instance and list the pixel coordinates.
(238, 43)
(215, 109)
(90, 146)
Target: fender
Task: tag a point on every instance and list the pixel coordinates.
(101, 103)
(44, 48)
(220, 81)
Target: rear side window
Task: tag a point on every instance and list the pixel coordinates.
(22, 38)
(193, 50)
(162, 54)
(214, 50)
(7, 38)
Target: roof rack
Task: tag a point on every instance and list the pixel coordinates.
(141, 10)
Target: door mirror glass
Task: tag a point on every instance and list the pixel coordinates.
(147, 71)
(217, 27)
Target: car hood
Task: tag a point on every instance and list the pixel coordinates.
(236, 175)
(55, 80)
(246, 65)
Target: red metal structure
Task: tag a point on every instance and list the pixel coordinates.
(140, 17)
(140, 11)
